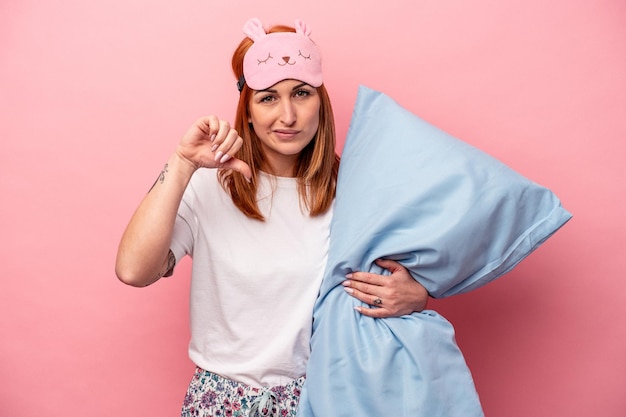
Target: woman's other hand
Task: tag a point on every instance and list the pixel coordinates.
(212, 143)
(388, 295)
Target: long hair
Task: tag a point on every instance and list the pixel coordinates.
(317, 165)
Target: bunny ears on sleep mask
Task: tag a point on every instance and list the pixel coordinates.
(279, 56)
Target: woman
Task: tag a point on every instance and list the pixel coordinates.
(256, 224)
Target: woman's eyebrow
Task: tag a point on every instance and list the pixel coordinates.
(269, 90)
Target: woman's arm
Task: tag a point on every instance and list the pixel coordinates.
(388, 295)
(143, 255)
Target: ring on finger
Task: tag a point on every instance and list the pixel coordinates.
(378, 301)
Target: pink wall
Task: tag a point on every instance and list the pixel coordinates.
(94, 95)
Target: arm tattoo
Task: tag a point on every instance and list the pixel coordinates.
(171, 262)
(161, 177)
(162, 174)
(168, 270)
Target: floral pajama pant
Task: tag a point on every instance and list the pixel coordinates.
(211, 395)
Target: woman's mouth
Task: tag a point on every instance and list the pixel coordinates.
(286, 133)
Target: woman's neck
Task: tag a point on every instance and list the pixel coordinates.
(285, 167)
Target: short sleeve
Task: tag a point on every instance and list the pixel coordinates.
(184, 227)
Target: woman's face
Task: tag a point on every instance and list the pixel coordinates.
(285, 117)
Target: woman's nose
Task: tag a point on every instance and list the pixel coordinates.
(288, 113)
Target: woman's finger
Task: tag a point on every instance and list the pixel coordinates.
(389, 264)
(355, 287)
(379, 313)
(220, 134)
(228, 147)
(239, 166)
(209, 125)
(366, 279)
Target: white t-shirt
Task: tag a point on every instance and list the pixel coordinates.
(253, 283)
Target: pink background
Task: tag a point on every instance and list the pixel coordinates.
(94, 95)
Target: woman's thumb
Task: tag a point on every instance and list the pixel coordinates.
(239, 166)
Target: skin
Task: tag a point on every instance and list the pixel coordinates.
(285, 117)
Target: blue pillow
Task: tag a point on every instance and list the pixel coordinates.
(456, 218)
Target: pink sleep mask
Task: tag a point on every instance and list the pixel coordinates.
(279, 56)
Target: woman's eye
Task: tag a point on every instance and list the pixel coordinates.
(302, 93)
(266, 99)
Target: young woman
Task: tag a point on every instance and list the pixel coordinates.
(251, 204)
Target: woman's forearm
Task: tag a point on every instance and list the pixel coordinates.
(143, 254)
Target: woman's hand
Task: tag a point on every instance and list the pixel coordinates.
(144, 252)
(388, 295)
(212, 143)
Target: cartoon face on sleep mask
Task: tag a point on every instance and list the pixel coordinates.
(278, 56)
